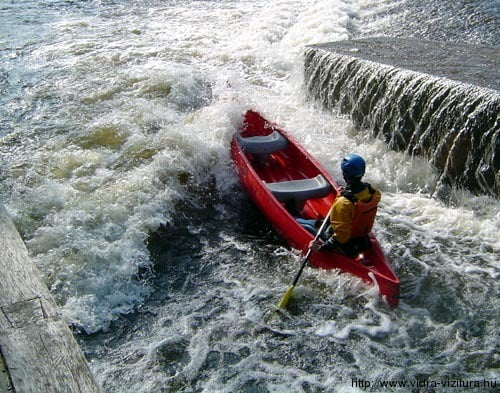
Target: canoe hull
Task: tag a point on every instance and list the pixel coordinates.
(293, 163)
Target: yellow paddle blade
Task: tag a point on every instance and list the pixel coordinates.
(286, 297)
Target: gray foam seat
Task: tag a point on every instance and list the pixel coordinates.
(266, 144)
(300, 190)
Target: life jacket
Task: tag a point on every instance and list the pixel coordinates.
(364, 212)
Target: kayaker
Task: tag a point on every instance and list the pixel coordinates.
(353, 212)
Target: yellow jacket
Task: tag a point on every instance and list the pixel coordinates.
(345, 213)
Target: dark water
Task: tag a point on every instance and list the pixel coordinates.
(461, 21)
(115, 130)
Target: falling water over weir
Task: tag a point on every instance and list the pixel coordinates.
(420, 98)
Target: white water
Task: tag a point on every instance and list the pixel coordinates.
(113, 114)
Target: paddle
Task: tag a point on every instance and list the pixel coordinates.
(288, 294)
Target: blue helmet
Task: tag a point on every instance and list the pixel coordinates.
(353, 166)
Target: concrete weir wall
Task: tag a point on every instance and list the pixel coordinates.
(38, 350)
(432, 99)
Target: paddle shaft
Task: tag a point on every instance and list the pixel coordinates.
(288, 293)
(309, 250)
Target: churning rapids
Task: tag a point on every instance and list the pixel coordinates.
(114, 136)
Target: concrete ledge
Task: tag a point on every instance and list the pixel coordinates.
(5, 384)
(477, 65)
(39, 351)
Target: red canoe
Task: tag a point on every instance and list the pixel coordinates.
(281, 176)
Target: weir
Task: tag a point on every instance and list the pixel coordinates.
(38, 352)
(436, 100)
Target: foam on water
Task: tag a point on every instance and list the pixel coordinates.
(117, 172)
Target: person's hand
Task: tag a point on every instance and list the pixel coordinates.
(315, 245)
(329, 245)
